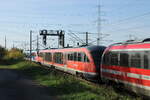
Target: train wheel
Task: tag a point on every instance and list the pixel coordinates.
(79, 74)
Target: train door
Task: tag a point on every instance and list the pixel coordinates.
(86, 63)
(136, 63)
(146, 62)
(41, 57)
(80, 64)
(79, 61)
(76, 65)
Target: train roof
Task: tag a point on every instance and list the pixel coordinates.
(130, 45)
(90, 48)
(147, 40)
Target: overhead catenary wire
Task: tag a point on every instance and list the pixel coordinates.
(73, 35)
(125, 20)
(128, 28)
(129, 18)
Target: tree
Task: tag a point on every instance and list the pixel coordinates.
(2, 52)
(15, 54)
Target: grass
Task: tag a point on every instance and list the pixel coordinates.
(67, 87)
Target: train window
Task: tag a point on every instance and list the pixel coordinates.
(48, 57)
(146, 65)
(106, 58)
(124, 59)
(71, 56)
(41, 54)
(68, 56)
(79, 56)
(135, 60)
(58, 58)
(114, 58)
(75, 56)
(86, 59)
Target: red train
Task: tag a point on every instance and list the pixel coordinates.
(84, 61)
(128, 63)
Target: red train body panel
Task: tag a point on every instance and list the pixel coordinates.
(128, 64)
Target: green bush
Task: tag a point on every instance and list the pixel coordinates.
(15, 54)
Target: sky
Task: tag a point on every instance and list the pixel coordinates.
(120, 20)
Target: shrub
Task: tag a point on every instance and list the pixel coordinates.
(15, 54)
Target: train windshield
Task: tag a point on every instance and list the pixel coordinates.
(97, 57)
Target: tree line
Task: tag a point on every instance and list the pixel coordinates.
(11, 54)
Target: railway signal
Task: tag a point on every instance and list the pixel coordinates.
(44, 40)
(59, 33)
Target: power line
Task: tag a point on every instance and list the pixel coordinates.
(73, 35)
(129, 18)
(129, 28)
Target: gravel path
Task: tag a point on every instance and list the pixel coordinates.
(14, 86)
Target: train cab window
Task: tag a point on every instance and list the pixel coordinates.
(146, 60)
(114, 58)
(79, 56)
(96, 56)
(124, 59)
(86, 59)
(135, 60)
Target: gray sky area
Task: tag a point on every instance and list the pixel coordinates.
(122, 19)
